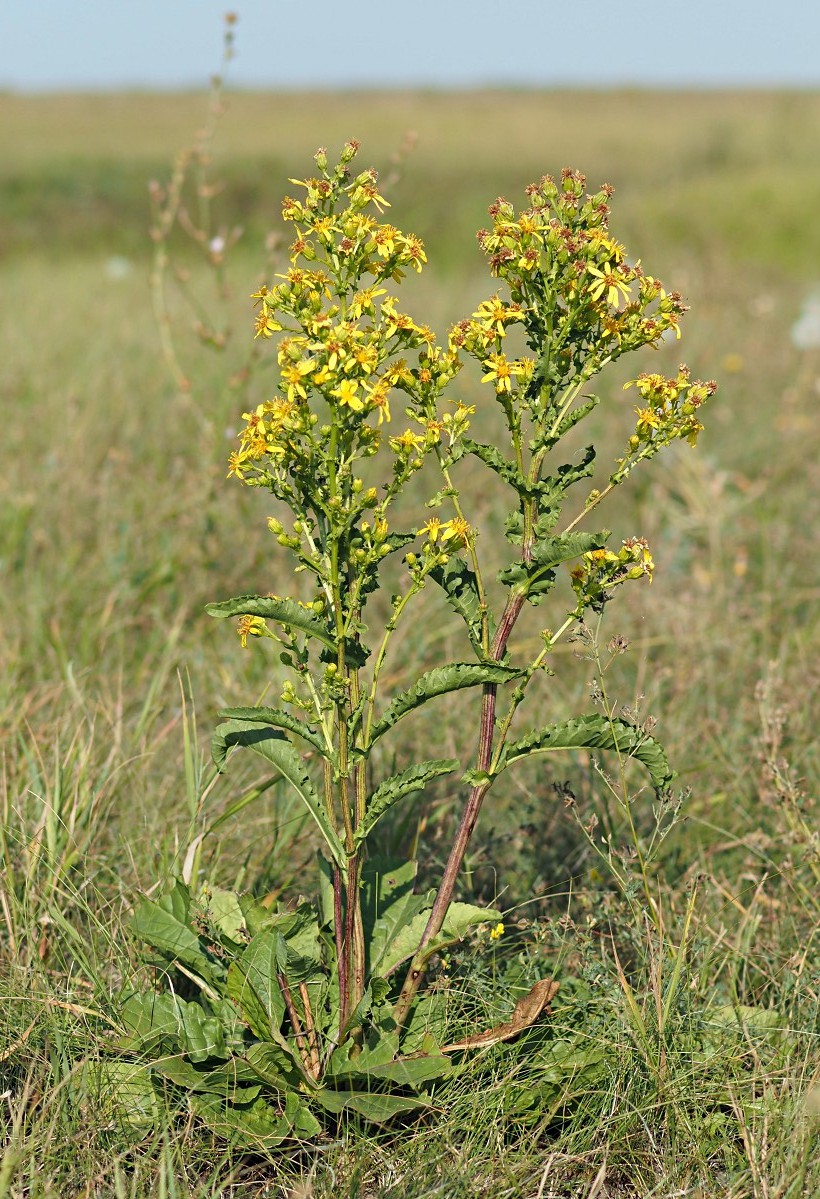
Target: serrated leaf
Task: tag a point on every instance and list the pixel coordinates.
(441, 681)
(538, 575)
(594, 732)
(491, 456)
(276, 718)
(286, 611)
(460, 586)
(274, 746)
(408, 782)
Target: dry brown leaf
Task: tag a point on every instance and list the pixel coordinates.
(525, 1013)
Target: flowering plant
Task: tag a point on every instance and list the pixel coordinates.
(326, 1006)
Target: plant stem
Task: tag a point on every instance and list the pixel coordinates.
(469, 816)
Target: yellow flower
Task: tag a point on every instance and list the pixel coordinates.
(611, 281)
(497, 931)
(500, 372)
(293, 375)
(348, 395)
(250, 626)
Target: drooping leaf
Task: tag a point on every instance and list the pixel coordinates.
(526, 1012)
(286, 611)
(460, 586)
(276, 718)
(408, 782)
(440, 681)
(594, 732)
(276, 748)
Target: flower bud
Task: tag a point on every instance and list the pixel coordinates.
(320, 158)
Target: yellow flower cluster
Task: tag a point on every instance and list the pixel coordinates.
(602, 570)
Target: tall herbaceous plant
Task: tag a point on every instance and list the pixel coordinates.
(294, 1013)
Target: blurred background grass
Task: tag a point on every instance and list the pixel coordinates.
(118, 525)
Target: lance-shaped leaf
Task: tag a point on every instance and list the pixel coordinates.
(275, 747)
(286, 611)
(538, 575)
(526, 1012)
(408, 782)
(166, 925)
(277, 719)
(460, 586)
(439, 682)
(594, 732)
(491, 456)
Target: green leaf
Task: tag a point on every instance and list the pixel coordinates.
(492, 457)
(439, 682)
(286, 611)
(126, 1090)
(225, 911)
(537, 575)
(408, 782)
(277, 719)
(274, 1066)
(258, 1123)
(152, 1020)
(165, 925)
(458, 921)
(403, 1071)
(388, 905)
(375, 1107)
(253, 985)
(276, 748)
(460, 586)
(594, 732)
(233, 1080)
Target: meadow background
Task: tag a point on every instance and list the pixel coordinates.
(117, 526)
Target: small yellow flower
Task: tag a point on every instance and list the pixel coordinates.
(497, 932)
(348, 396)
(500, 372)
(611, 281)
(250, 626)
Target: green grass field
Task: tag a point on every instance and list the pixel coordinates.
(117, 526)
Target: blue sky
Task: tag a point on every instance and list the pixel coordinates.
(101, 44)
